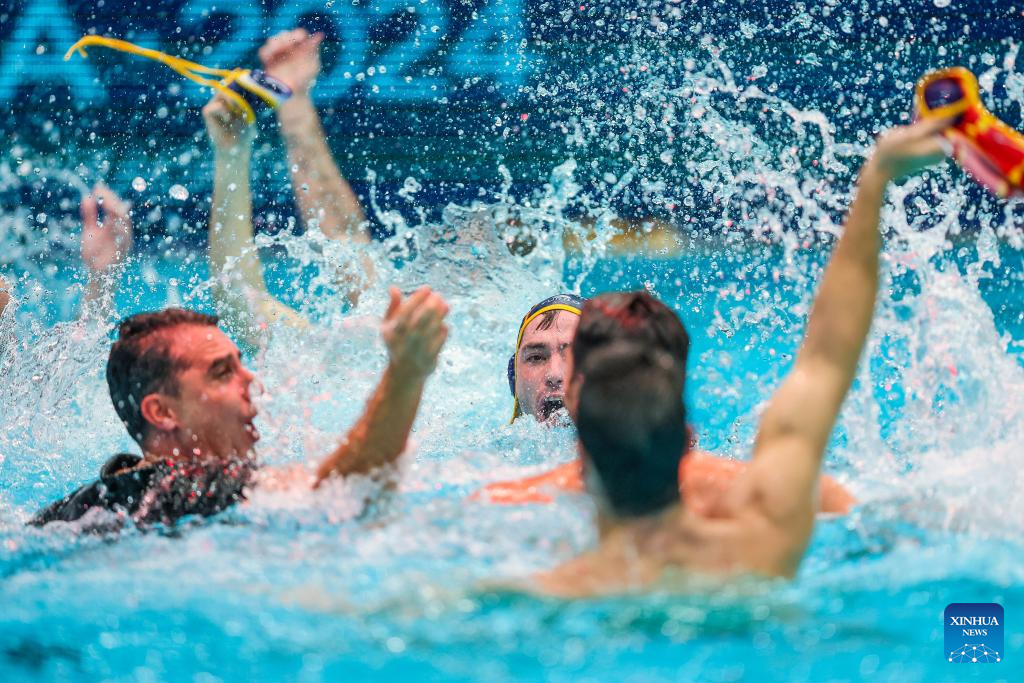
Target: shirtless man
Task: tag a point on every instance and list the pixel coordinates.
(626, 400)
(537, 374)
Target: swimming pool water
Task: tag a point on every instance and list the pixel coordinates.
(742, 128)
(295, 585)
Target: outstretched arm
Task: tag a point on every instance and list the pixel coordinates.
(105, 245)
(239, 291)
(798, 421)
(414, 332)
(324, 198)
(5, 295)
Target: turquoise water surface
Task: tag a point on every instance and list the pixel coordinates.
(311, 586)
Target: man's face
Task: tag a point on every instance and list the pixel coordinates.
(213, 411)
(541, 364)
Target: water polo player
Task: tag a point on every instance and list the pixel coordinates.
(626, 397)
(703, 477)
(536, 370)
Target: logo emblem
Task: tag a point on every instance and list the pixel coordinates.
(974, 632)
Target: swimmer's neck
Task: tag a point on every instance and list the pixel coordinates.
(167, 449)
(637, 530)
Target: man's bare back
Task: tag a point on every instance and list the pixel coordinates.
(625, 397)
(703, 479)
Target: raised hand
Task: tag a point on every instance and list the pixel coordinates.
(104, 243)
(414, 331)
(293, 57)
(226, 126)
(5, 295)
(905, 150)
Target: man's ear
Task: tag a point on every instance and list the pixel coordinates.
(159, 413)
(572, 395)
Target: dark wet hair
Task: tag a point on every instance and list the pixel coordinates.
(629, 316)
(631, 421)
(630, 352)
(141, 363)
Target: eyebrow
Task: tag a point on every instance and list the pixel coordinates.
(220, 362)
(535, 346)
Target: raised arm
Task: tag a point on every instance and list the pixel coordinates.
(239, 291)
(5, 295)
(323, 196)
(105, 245)
(799, 418)
(414, 331)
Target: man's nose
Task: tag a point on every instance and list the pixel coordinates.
(556, 373)
(248, 377)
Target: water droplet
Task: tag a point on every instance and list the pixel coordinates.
(179, 192)
(139, 184)
(942, 3)
(411, 185)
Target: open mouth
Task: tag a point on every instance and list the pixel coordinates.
(550, 405)
(251, 430)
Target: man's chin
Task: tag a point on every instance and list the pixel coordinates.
(252, 435)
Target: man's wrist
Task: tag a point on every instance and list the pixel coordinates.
(296, 110)
(874, 175)
(232, 156)
(408, 375)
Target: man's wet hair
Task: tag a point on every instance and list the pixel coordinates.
(631, 421)
(629, 316)
(141, 363)
(547, 319)
(630, 353)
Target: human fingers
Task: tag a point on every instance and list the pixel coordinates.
(112, 204)
(395, 300)
(402, 321)
(218, 112)
(89, 211)
(428, 314)
(287, 40)
(929, 127)
(273, 45)
(412, 303)
(437, 341)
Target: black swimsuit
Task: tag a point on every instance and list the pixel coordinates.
(159, 492)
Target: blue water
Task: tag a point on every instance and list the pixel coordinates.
(295, 585)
